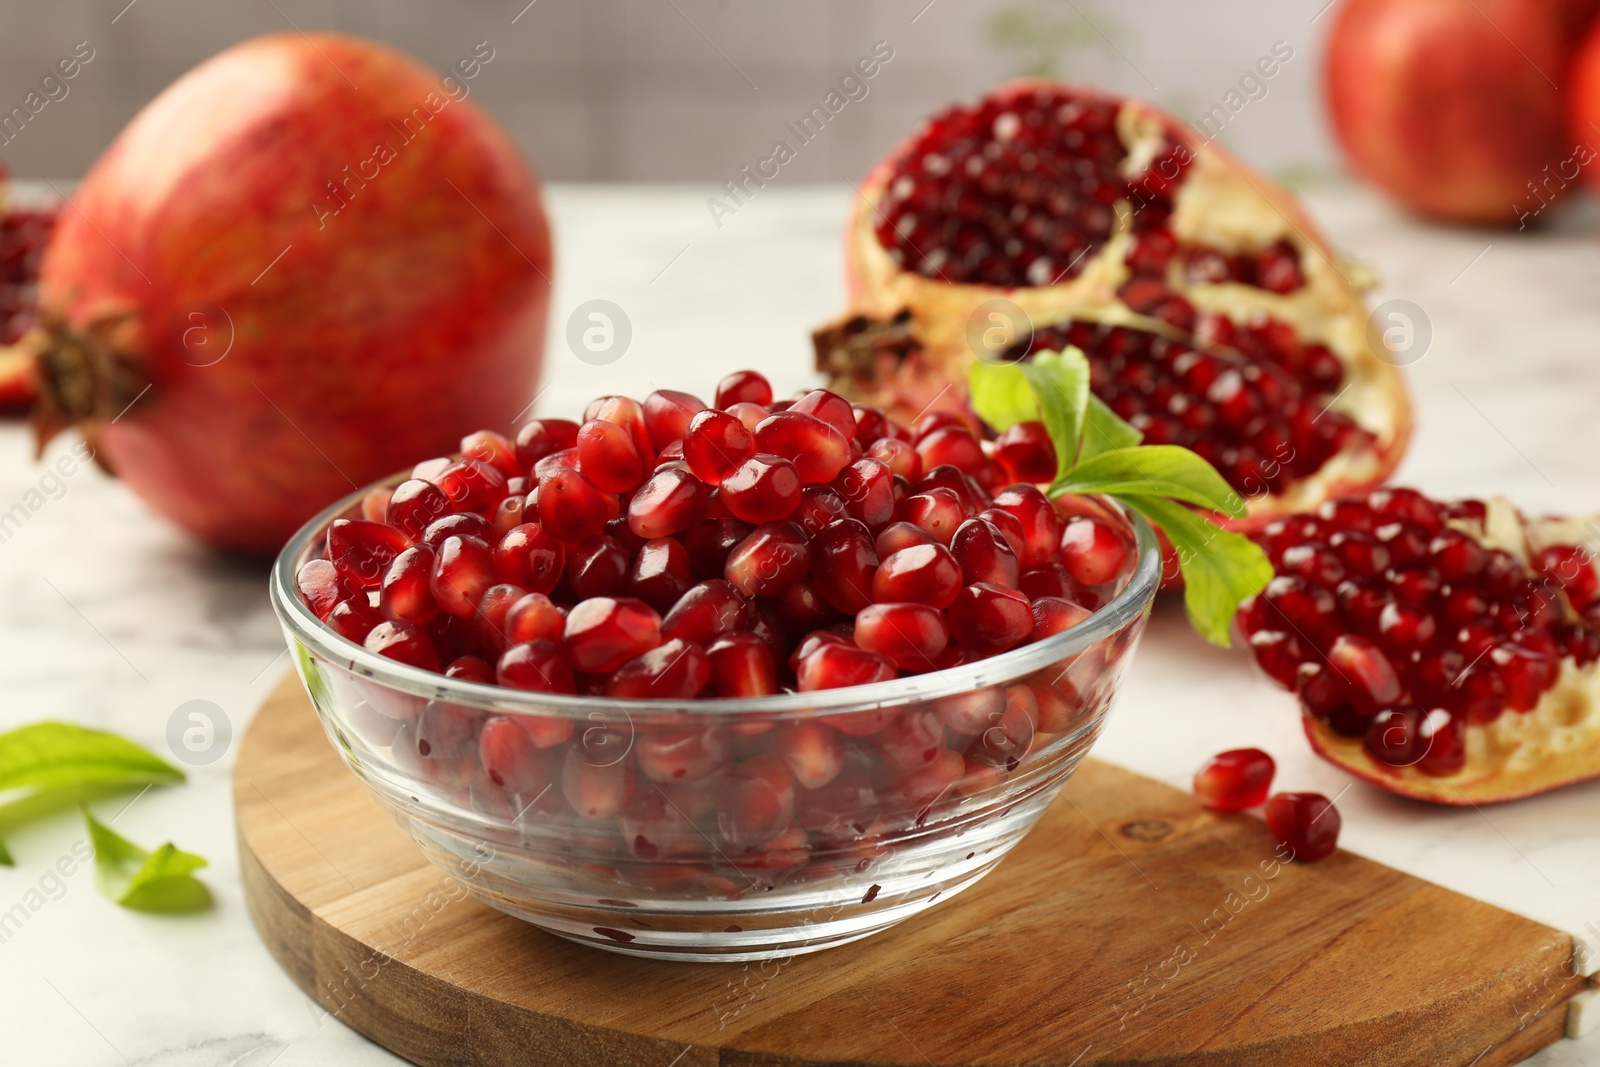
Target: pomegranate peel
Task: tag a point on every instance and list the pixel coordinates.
(1499, 700)
(915, 326)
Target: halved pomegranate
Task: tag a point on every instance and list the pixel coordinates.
(1442, 651)
(1213, 313)
(24, 230)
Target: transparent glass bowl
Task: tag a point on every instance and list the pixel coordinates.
(698, 837)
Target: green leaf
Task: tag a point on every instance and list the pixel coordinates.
(1154, 470)
(159, 881)
(1220, 569)
(5, 856)
(1001, 394)
(1060, 382)
(1104, 431)
(56, 755)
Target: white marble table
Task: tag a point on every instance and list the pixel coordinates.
(109, 617)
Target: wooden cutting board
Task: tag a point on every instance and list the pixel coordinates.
(1129, 927)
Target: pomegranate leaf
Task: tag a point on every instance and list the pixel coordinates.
(159, 881)
(1001, 394)
(5, 856)
(1154, 470)
(59, 755)
(1104, 431)
(1220, 568)
(1060, 382)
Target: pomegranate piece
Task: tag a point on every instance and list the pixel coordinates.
(406, 594)
(940, 511)
(845, 565)
(571, 508)
(319, 586)
(989, 618)
(818, 450)
(463, 570)
(867, 486)
(528, 556)
(673, 670)
(1234, 780)
(667, 413)
(361, 551)
(706, 612)
(404, 642)
(911, 636)
(661, 573)
(985, 555)
(743, 387)
(1092, 552)
(715, 443)
(670, 502)
(838, 664)
(603, 633)
(831, 408)
(742, 665)
(762, 488)
(924, 574)
(539, 665)
(771, 558)
(539, 438)
(1306, 822)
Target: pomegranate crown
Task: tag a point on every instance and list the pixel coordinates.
(1098, 453)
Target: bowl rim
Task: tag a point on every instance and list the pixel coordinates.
(306, 630)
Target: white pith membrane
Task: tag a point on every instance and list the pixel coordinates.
(1219, 204)
(1519, 753)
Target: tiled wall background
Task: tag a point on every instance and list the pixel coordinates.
(668, 90)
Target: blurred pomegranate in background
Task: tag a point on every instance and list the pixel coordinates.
(309, 262)
(24, 229)
(1583, 100)
(1455, 107)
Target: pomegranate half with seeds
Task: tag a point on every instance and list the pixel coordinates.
(717, 662)
(1444, 651)
(1213, 313)
(25, 227)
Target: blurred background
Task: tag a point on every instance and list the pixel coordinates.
(680, 90)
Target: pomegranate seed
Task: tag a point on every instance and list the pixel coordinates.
(813, 752)
(682, 754)
(898, 535)
(800, 607)
(472, 486)
(838, 665)
(845, 565)
(820, 506)
(1444, 735)
(667, 413)
(319, 586)
(1314, 562)
(463, 524)
(510, 512)
(899, 456)
(1007, 739)
(923, 574)
(405, 595)
(715, 443)
(985, 555)
(1279, 655)
(867, 486)
(818, 450)
(462, 571)
(375, 504)
(533, 617)
(831, 408)
(755, 804)
(763, 488)
(706, 612)
(1054, 615)
(567, 457)
(595, 568)
(1027, 453)
(492, 448)
(541, 437)
(1307, 822)
(743, 387)
(354, 618)
(939, 511)
(529, 557)
(911, 741)
(1010, 528)
(1571, 569)
(1052, 580)
(414, 505)
(669, 503)
(1523, 673)
(952, 445)
(661, 573)
(742, 665)
(608, 457)
(1366, 672)
(404, 642)
(596, 790)
(539, 666)
(774, 555)
(749, 414)
(1092, 552)
(673, 670)
(470, 669)
(570, 508)
(1394, 737)
(510, 759)
(990, 618)
(603, 633)
(1234, 780)
(361, 551)
(911, 636)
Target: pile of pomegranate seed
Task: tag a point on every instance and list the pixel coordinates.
(1024, 189)
(1253, 402)
(1396, 623)
(674, 550)
(1240, 778)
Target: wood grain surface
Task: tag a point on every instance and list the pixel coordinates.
(1130, 927)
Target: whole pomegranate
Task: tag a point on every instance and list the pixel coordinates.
(306, 263)
(1455, 107)
(1583, 99)
(1213, 314)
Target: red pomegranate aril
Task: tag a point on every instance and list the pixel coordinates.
(755, 804)
(353, 618)
(813, 752)
(898, 535)
(763, 488)
(990, 618)
(567, 457)
(1026, 453)
(541, 437)
(1234, 780)
(985, 555)
(667, 413)
(1445, 741)
(1279, 655)
(669, 503)
(972, 496)
(911, 741)
(1010, 528)
(1361, 554)
(405, 595)
(492, 448)
(818, 450)
(911, 636)
(595, 790)
(743, 387)
(1052, 580)
(1367, 673)
(1394, 738)
(954, 446)
(603, 633)
(769, 559)
(319, 586)
(940, 511)
(845, 565)
(752, 415)
(1307, 822)
(714, 445)
(706, 612)
(923, 574)
(673, 670)
(820, 506)
(534, 617)
(510, 759)
(510, 512)
(608, 456)
(414, 506)
(530, 557)
(831, 408)
(375, 504)
(403, 642)
(1403, 629)
(463, 570)
(1522, 672)
(462, 524)
(660, 573)
(899, 456)
(361, 551)
(1570, 568)
(681, 754)
(570, 507)
(538, 666)
(840, 664)
(867, 486)
(470, 669)
(742, 665)
(1314, 562)
(1053, 615)
(1092, 552)
(595, 568)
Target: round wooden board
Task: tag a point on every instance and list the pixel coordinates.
(1129, 927)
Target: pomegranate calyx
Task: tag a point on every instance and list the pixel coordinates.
(85, 378)
(863, 349)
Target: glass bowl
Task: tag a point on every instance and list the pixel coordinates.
(720, 829)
